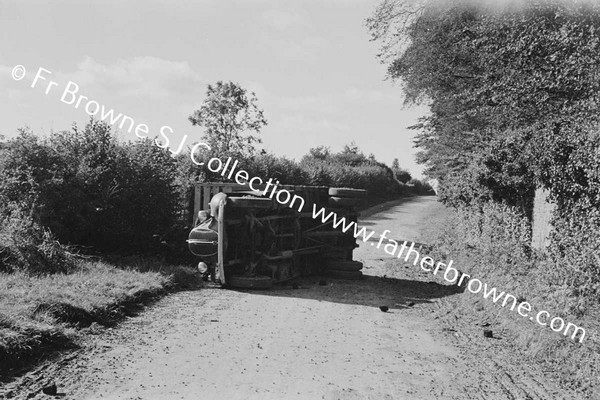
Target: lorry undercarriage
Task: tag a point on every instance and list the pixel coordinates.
(253, 241)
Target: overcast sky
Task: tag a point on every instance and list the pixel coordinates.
(310, 63)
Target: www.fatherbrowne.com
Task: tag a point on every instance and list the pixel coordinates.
(284, 197)
(452, 275)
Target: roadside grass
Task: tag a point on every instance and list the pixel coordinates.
(493, 248)
(40, 314)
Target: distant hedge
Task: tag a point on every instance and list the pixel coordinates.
(89, 190)
(320, 167)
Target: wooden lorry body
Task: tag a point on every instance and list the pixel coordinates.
(259, 237)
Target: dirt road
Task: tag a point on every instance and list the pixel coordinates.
(315, 342)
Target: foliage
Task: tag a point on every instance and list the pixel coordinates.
(90, 190)
(27, 247)
(38, 313)
(575, 251)
(512, 90)
(402, 175)
(320, 152)
(187, 174)
(29, 170)
(282, 169)
(421, 187)
(351, 156)
(227, 114)
(349, 168)
(491, 242)
(513, 95)
(497, 236)
(575, 243)
(322, 167)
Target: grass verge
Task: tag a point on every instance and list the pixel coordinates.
(492, 245)
(40, 314)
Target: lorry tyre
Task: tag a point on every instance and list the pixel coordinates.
(350, 275)
(250, 202)
(250, 282)
(344, 265)
(345, 201)
(346, 192)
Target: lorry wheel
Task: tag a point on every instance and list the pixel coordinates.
(346, 192)
(250, 282)
(250, 202)
(345, 201)
(350, 275)
(344, 265)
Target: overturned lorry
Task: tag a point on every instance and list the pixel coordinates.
(253, 239)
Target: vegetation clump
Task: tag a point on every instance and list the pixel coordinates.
(513, 94)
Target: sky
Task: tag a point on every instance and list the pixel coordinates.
(310, 62)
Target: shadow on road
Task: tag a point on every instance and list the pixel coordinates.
(371, 291)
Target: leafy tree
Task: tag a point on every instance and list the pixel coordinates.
(402, 175)
(349, 168)
(320, 152)
(231, 119)
(351, 155)
(31, 174)
(511, 92)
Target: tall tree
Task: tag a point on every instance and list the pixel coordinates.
(510, 90)
(231, 119)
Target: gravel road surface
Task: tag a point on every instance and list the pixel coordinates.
(315, 342)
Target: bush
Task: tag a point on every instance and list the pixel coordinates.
(28, 247)
(91, 190)
(421, 187)
(575, 254)
(491, 242)
(402, 175)
(494, 239)
(287, 171)
(349, 168)
(317, 171)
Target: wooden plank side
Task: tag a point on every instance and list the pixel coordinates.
(197, 203)
(206, 197)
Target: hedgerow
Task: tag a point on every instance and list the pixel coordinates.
(90, 190)
(320, 167)
(102, 195)
(513, 95)
(491, 242)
